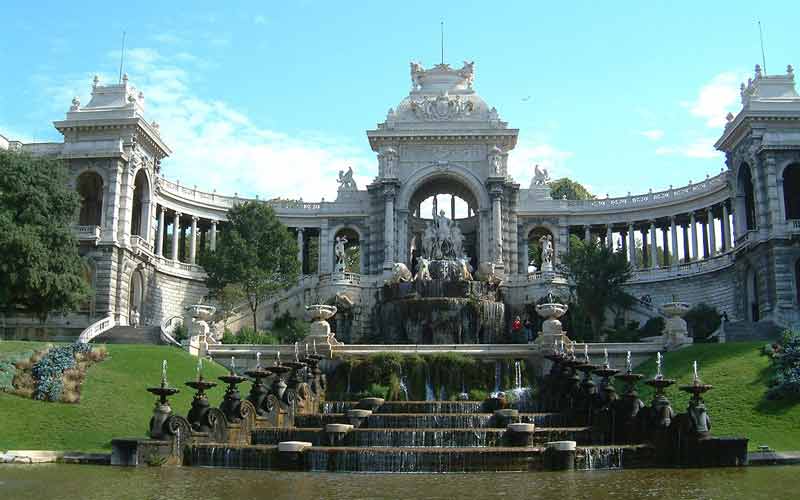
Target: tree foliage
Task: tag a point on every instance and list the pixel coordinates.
(596, 274)
(566, 188)
(702, 320)
(40, 268)
(256, 253)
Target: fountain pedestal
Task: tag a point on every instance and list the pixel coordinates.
(320, 331)
(676, 333)
(198, 414)
(162, 410)
(551, 327)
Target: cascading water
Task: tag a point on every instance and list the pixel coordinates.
(404, 387)
(517, 374)
(498, 373)
(430, 395)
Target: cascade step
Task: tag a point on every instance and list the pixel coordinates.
(428, 420)
(451, 438)
(744, 331)
(130, 335)
(391, 459)
(409, 407)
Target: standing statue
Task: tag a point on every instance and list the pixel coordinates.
(339, 251)
(423, 270)
(547, 249)
(540, 177)
(467, 72)
(466, 269)
(458, 240)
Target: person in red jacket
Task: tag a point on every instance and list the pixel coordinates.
(516, 329)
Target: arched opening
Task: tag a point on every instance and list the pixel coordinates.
(449, 198)
(141, 205)
(90, 189)
(753, 313)
(791, 191)
(745, 200)
(797, 280)
(347, 251)
(135, 298)
(535, 245)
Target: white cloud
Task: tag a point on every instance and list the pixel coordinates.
(218, 147)
(653, 135)
(716, 98)
(526, 155)
(700, 148)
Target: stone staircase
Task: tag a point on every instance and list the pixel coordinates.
(130, 335)
(745, 331)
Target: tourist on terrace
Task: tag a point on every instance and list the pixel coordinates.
(516, 329)
(527, 327)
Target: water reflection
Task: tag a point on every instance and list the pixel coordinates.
(68, 482)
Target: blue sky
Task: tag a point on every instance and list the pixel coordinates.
(273, 98)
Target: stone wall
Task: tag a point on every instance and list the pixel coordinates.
(167, 295)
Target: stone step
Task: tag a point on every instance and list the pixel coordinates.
(745, 331)
(130, 335)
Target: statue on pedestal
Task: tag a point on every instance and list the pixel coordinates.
(339, 251)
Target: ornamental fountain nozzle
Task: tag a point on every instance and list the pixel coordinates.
(233, 365)
(586, 352)
(258, 359)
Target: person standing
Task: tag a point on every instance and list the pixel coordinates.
(527, 327)
(516, 329)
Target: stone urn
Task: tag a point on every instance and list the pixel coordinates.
(551, 328)
(675, 331)
(320, 333)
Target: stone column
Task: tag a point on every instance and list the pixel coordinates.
(176, 233)
(674, 233)
(609, 237)
(497, 225)
(665, 245)
(587, 233)
(388, 227)
(193, 242)
(632, 245)
(704, 236)
(712, 233)
(452, 207)
(160, 236)
(686, 253)
(300, 248)
(726, 228)
(645, 253)
(653, 245)
(213, 242)
(693, 227)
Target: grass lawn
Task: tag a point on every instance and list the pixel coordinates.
(114, 402)
(737, 403)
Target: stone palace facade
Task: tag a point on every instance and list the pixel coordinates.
(732, 240)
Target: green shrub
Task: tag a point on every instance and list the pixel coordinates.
(374, 391)
(180, 333)
(653, 327)
(248, 335)
(289, 329)
(786, 363)
(702, 320)
(478, 394)
(624, 333)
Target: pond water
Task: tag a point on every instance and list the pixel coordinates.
(68, 482)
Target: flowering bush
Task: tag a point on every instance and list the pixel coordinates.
(48, 371)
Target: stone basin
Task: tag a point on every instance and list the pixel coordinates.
(553, 310)
(675, 309)
(293, 446)
(562, 445)
(358, 413)
(507, 413)
(320, 312)
(371, 404)
(338, 428)
(521, 427)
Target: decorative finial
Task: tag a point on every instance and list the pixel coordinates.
(729, 116)
(125, 78)
(758, 71)
(76, 104)
(141, 95)
(789, 70)
(95, 81)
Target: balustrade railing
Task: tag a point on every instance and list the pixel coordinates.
(684, 269)
(229, 201)
(97, 328)
(679, 193)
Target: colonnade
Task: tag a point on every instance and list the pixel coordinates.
(705, 233)
(200, 232)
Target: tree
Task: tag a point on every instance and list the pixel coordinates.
(565, 186)
(702, 320)
(40, 268)
(597, 273)
(256, 253)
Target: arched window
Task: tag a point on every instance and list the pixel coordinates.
(745, 199)
(141, 205)
(90, 189)
(791, 191)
